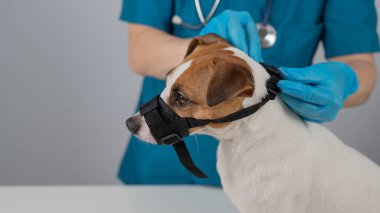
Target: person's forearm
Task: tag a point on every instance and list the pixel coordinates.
(153, 52)
(365, 69)
(367, 77)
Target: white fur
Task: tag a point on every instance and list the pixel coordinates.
(144, 131)
(273, 162)
(172, 77)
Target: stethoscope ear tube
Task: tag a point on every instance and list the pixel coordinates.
(177, 20)
(209, 15)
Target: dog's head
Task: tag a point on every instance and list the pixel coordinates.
(214, 80)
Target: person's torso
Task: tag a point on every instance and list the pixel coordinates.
(299, 25)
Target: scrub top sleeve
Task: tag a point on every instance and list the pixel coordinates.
(350, 27)
(153, 13)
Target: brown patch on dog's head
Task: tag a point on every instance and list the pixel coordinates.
(231, 80)
(215, 84)
(204, 43)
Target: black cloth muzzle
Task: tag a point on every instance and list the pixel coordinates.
(168, 128)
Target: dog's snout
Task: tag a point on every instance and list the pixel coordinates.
(133, 124)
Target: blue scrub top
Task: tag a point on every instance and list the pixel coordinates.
(344, 26)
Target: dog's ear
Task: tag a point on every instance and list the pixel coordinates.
(203, 40)
(229, 80)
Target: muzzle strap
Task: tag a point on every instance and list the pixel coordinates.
(245, 112)
(185, 158)
(165, 135)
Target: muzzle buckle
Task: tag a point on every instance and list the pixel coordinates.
(170, 139)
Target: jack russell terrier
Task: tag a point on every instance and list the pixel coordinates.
(270, 161)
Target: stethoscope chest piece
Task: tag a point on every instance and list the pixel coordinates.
(268, 35)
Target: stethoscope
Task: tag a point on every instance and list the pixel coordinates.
(267, 32)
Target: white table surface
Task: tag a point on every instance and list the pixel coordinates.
(113, 199)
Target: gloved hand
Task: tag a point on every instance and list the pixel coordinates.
(317, 93)
(239, 29)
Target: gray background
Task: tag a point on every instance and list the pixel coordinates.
(65, 91)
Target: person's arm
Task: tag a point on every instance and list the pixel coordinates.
(365, 69)
(153, 52)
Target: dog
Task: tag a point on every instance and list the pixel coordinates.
(271, 161)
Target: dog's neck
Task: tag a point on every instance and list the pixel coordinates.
(273, 122)
(274, 119)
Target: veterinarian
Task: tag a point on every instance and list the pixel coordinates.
(160, 31)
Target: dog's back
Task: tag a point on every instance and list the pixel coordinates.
(296, 167)
(345, 180)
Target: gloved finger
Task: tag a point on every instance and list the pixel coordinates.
(237, 35)
(254, 46)
(304, 92)
(205, 30)
(304, 109)
(227, 13)
(243, 16)
(214, 26)
(253, 38)
(221, 30)
(306, 75)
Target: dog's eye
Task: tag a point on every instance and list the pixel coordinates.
(180, 99)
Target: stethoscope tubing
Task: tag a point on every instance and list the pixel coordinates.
(267, 12)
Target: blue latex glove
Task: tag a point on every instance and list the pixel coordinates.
(239, 29)
(317, 93)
